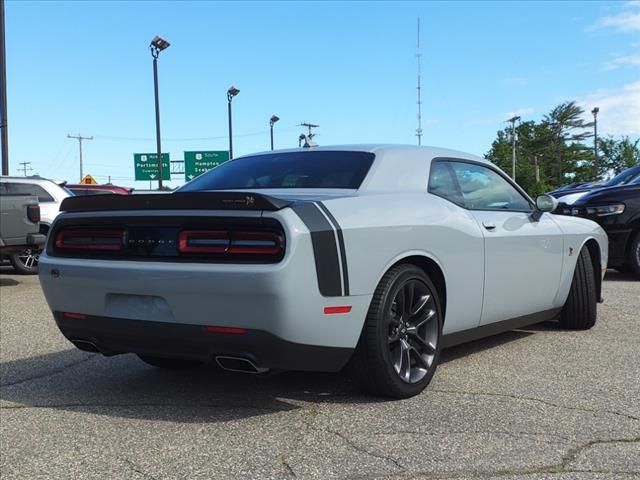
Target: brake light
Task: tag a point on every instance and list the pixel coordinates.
(90, 239)
(203, 241)
(228, 330)
(33, 213)
(75, 316)
(230, 242)
(255, 243)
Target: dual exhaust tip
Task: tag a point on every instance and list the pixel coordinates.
(231, 364)
(239, 364)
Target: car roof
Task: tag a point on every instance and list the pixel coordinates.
(381, 149)
(396, 168)
(26, 179)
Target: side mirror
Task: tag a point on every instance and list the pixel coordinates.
(546, 203)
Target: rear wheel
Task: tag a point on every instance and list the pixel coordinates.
(580, 309)
(26, 261)
(633, 256)
(169, 363)
(399, 347)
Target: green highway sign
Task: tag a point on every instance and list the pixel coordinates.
(146, 166)
(196, 163)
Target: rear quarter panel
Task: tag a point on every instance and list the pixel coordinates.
(382, 229)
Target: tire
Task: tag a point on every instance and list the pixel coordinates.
(633, 255)
(169, 363)
(580, 309)
(397, 354)
(26, 261)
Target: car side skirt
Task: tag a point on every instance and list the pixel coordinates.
(457, 338)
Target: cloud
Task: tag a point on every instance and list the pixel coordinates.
(521, 112)
(625, 21)
(621, 61)
(619, 109)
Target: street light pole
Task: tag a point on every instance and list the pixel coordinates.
(595, 131)
(4, 136)
(232, 92)
(513, 121)
(157, 45)
(272, 120)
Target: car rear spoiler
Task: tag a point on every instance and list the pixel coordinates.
(175, 201)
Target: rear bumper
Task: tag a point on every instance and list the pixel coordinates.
(112, 336)
(15, 245)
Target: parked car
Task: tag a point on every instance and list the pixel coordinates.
(19, 223)
(374, 258)
(81, 189)
(50, 196)
(568, 196)
(617, 210)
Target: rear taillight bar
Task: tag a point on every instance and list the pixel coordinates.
(90, 239)
(33, 213)
(230, 242)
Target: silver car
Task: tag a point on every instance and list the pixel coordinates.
(373, 258)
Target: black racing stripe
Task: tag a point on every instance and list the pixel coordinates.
(325, 250)
(343, 252)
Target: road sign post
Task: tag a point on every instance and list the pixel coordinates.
(146, 166)
(196, 163)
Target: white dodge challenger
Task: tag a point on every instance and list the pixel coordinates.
(373, 258)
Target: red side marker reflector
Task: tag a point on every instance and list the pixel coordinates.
(334, 310)
(229, 330)
(75, 316)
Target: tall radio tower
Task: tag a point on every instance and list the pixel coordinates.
(419, 88)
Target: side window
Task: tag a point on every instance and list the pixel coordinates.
(30, 189)
(3, 188)
(442, 182)
(484, 189)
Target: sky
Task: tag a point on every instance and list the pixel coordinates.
(85, 68)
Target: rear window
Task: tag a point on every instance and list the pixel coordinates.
(30, 189)
(304, 169)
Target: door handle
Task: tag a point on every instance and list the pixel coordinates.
(489, 225)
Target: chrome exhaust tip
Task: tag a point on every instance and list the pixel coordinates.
(86, 346)
(238, 364)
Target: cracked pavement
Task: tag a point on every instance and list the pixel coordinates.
(535, 404)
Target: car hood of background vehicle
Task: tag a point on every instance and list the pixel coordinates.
(611, 194)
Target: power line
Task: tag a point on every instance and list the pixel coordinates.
(80, 138)
(189, 139)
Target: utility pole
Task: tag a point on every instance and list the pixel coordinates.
(80, 138)
(309, 126)
(513, 121)
(595, 131)
(308, 138)
(418, 55)
(25, 166)
(4, 136)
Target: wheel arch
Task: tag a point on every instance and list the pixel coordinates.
(593, 248)
(433, 269)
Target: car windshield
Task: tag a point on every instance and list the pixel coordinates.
(303, 169)
(624, 177)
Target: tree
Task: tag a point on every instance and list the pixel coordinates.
(555, 152)
(617, 155)
(571, 158)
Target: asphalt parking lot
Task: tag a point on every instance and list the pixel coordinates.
(540, 403)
